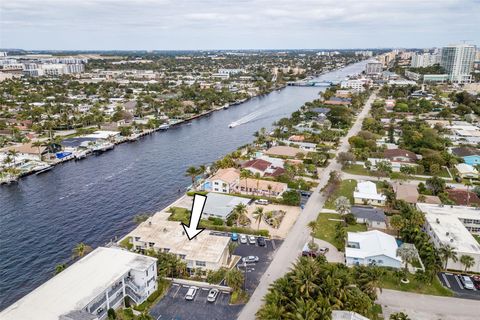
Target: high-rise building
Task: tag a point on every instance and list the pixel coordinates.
(457, 60)
(373, 67)
(424, 60)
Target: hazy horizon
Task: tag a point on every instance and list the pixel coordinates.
(181, 25)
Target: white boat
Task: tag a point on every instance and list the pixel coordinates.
(233, 124)
(44, 169)
(164, 126)
(80, 154)
(226, 105)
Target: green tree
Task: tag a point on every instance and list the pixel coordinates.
(467, 261)
(234, 279)
(191, 172)
(446, 253)
(60, 267)
(397, 222)
(81, 249)
(399, 316)
(313, 226)
(342, 205)
(258, 214)
(436, 185)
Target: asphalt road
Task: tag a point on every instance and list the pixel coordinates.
(427, 307)
(299, 235)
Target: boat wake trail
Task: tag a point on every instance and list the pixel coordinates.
(249, 117)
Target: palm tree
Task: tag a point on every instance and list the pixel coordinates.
(399, 316)
(60, 267)
(144, 316)
(407, 252)
(397, 222)
(342, 204)
(81, 249)
(467, 261)
(240, 210)
(468, 184)
(231, 248)
(258, 214)
(13, 154)
(313, 225)
(245, 174)
(269, 187)
(446, 252)
(192, 172)
(234, 279)
(257, 177)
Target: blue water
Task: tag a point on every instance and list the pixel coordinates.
(94, 200)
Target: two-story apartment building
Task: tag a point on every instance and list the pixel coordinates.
(88, 288)
(224, 180)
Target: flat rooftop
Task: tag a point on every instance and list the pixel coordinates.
(222, 204)
(446, 225)
(75, 287)
(170, 234)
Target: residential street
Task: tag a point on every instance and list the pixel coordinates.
(298, 236)
(426, 307)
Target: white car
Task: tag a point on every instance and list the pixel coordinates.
(262, 202)
(192, 291)
(250, 259)
(243, 238)
(467, 282)
(252, 240)
(212, 295)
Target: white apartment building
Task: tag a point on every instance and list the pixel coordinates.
(88, 288)
(205, 251)
(373, 68)
(422, 60)
(458, 61)
(356, 85)
(454, 226)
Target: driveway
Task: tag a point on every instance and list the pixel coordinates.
(427, 307)
(299, 235)
(333, 255)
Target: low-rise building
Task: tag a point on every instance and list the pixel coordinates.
(284, 151)
(372, 248)
(372, 217)
(467, 171)
(409, 194)
(366, 193)
(223, 181)
(400, 155)
(454, 226)
(205, 251)
(470, 155)
(221, 205)
(88, 288)
(266, 188)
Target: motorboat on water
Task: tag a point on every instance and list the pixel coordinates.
(233, 125)
(164, 126)
(44, 169)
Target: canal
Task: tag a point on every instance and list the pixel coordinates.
(94, 200)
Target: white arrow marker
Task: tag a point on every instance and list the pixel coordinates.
(197, 209)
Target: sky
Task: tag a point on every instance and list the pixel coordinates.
(236, 24)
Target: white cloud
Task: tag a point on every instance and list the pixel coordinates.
(171, 24)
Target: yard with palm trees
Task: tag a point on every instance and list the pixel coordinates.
(328, 229)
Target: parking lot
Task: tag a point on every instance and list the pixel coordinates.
(174, 306)
(452, 281)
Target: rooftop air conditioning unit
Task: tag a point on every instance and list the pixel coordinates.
(438, 220)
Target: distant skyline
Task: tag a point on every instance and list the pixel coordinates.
(236, 24)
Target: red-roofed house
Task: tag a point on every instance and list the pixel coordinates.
(400, 155)
(463, 197)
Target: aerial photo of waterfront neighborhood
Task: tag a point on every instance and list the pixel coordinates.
(298, 176)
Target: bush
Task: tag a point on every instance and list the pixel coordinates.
(214, 277)
(111, 314)
(291, 198)
(216, 221)
(350, 219)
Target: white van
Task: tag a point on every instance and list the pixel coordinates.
(262, 202)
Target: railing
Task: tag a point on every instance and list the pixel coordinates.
(132, 285)
(135, 296)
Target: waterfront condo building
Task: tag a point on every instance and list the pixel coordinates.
(454, 226)
(88, 288)
(457, 60)
(206, 251)
(374, 68)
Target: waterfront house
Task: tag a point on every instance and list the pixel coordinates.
(470, 155)
(221, 205)
(261, 187)
(372, 217)
(224, 180)
(366, 193)
(372, 248)
(466, 171)
(206, 251)
(88, 288)
(284, 151)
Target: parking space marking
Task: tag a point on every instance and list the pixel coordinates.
(458, 281)
(176, 292)
(446, 280)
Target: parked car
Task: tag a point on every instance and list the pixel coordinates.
(323, 250)
(192, 291)
(262, 202)
(99, 310)
(476, 281)
(251, 240)
(261, 241)
(234, 236)
(243, 238)
(467, 282)
(250, 259)
(212, 295)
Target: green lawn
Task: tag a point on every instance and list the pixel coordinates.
(346, 189)
(389, 281)
(326, 228)
(357, 169)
